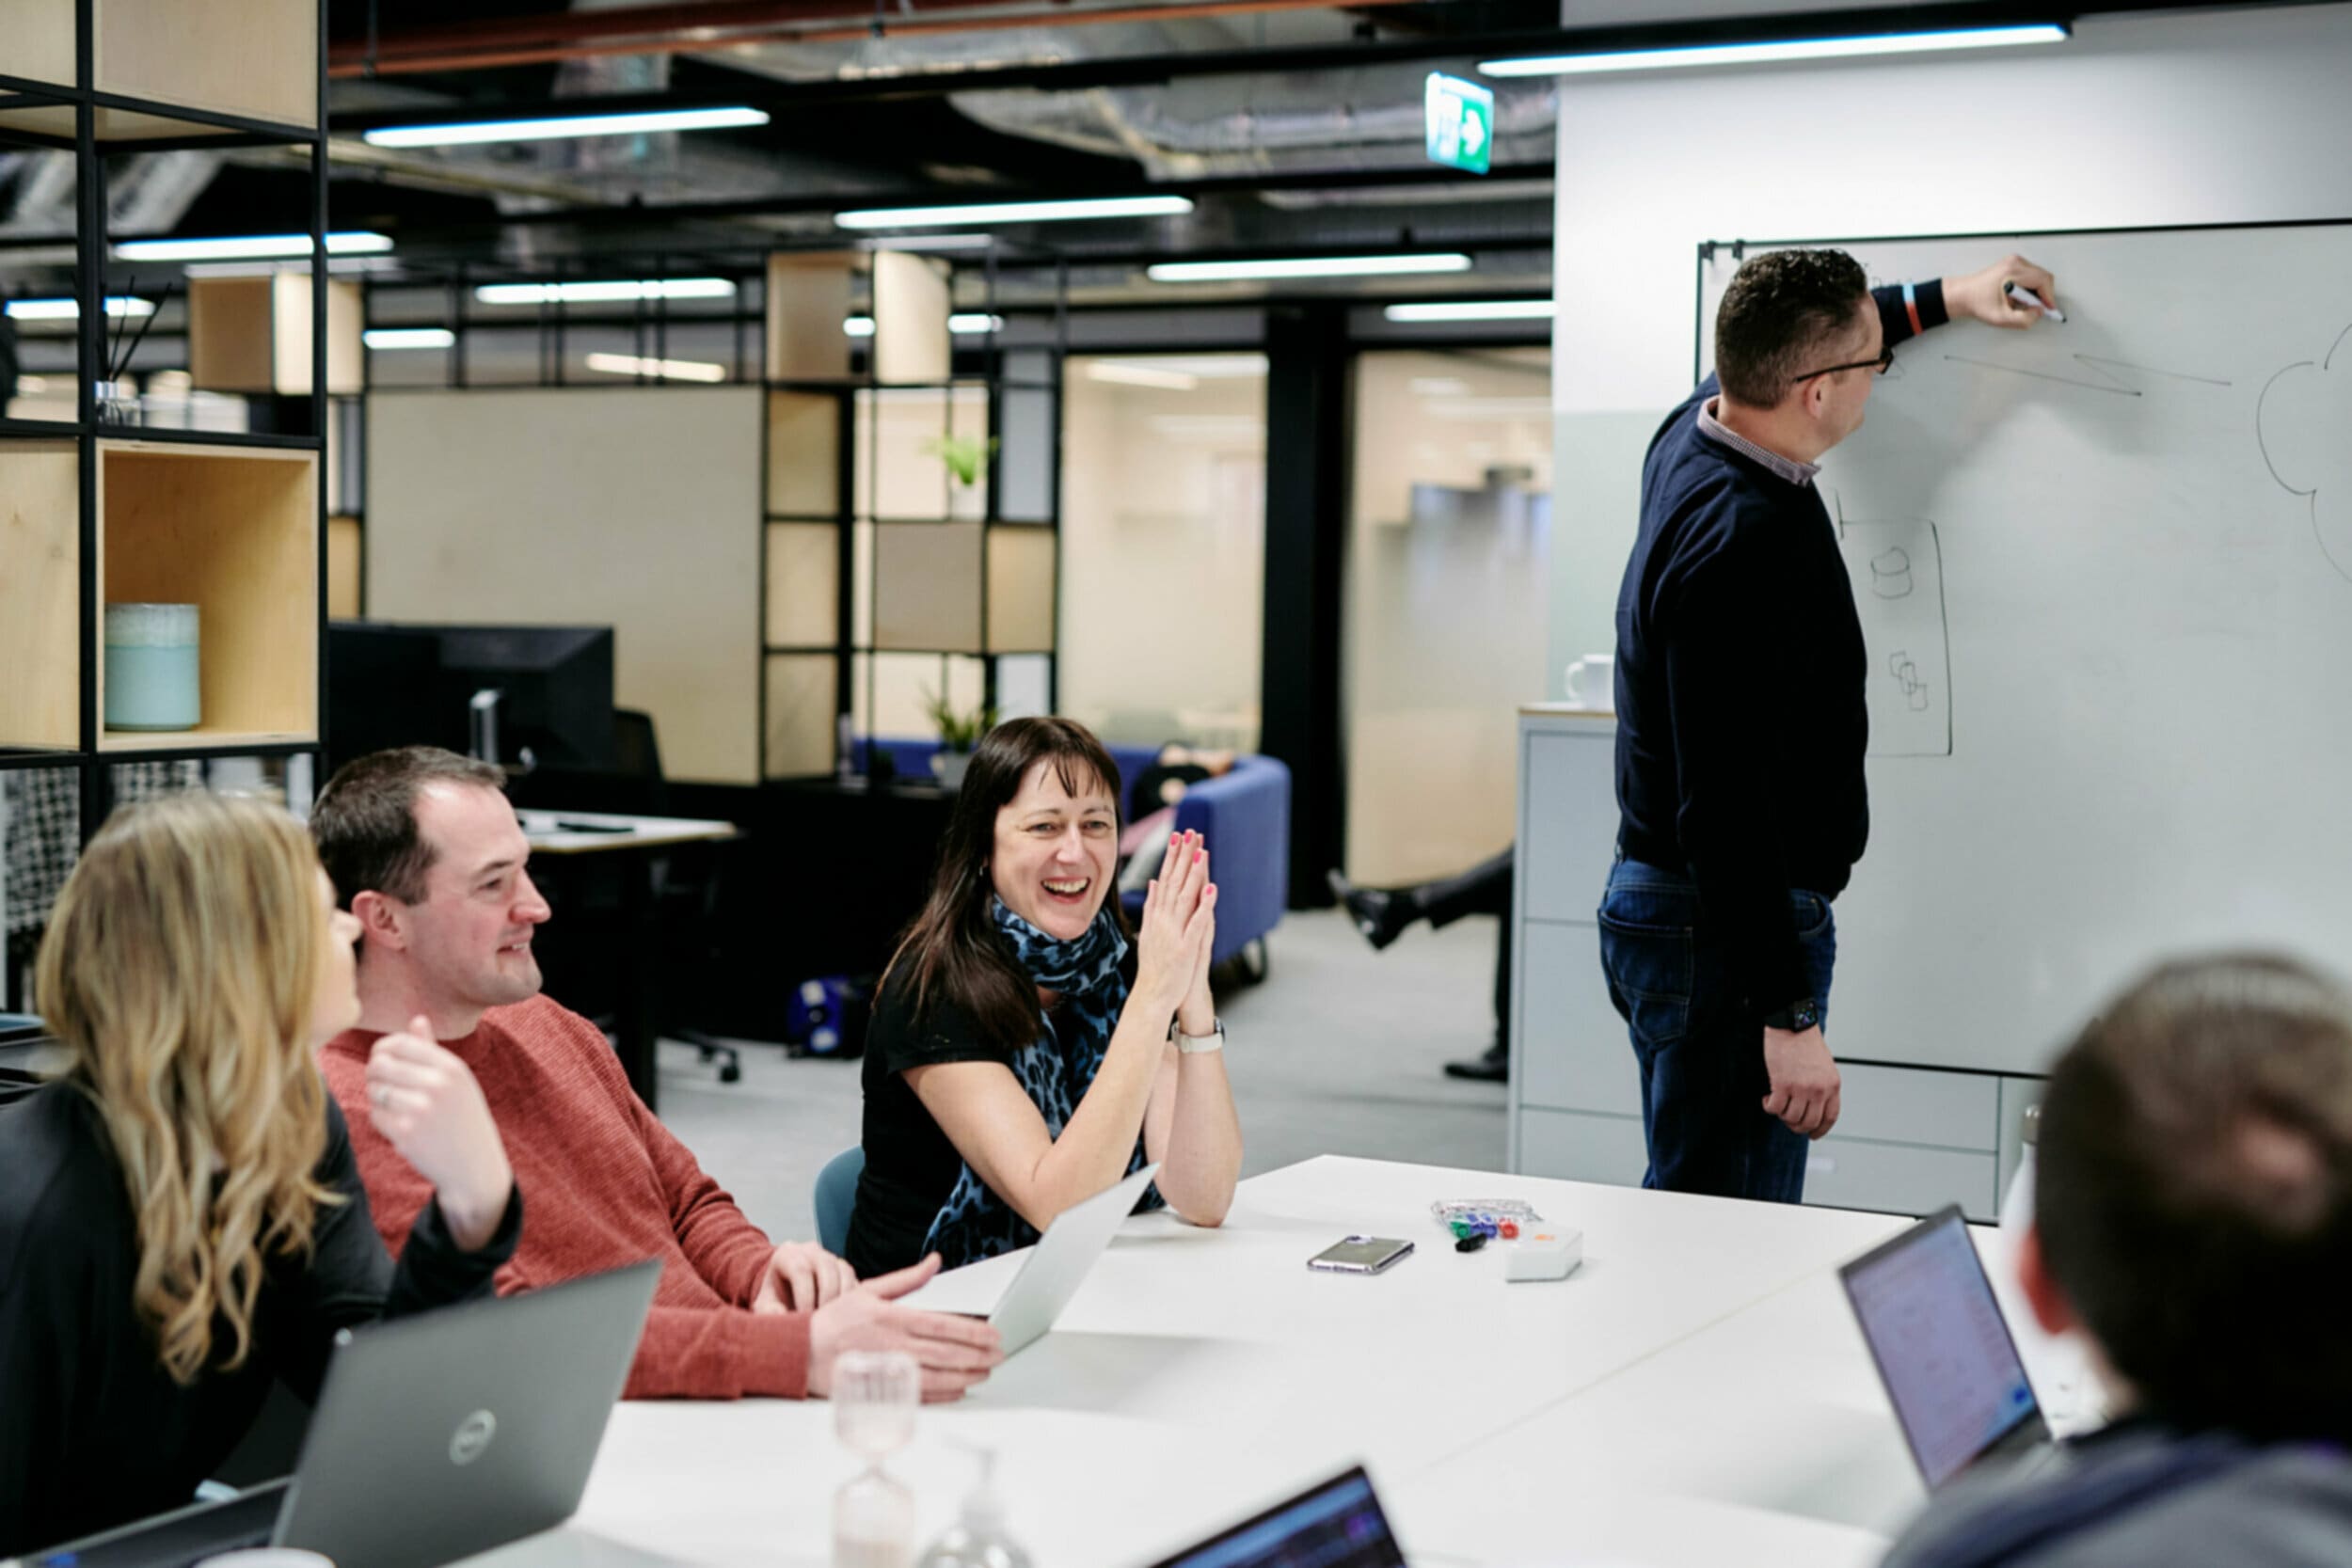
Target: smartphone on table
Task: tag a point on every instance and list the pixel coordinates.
(1359, 1255)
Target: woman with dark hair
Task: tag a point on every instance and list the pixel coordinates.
(1026, 1054)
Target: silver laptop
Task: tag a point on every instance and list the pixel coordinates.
(1058, 1264)
(434, 1437)
(1945, 1353)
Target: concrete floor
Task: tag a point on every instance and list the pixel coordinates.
(1337, 1052)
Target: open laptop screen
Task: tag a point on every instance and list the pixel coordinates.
(1942, 1346)
(1337, 1523)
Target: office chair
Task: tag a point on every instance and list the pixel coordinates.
(685, 889)
(837, 1199)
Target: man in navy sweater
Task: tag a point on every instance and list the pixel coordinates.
(1740, 718)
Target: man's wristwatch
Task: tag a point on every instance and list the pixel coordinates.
(1803, 1014)
(1193, 1045)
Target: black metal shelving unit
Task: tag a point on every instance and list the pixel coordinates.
(90, 755)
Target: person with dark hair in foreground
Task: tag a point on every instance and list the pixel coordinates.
(2193, 1218)
(1384, 914)
(1026, 1054)
(429, 859)
(1742, 720)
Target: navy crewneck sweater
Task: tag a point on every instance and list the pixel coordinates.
(1740, 668)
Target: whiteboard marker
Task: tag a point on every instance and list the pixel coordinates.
(2019, 292)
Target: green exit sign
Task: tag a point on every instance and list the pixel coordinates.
(1460, 119)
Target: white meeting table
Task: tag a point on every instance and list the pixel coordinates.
(1202, 1375)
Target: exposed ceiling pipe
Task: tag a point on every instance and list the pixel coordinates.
(723, 24)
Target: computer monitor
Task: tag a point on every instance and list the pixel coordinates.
(392, 684)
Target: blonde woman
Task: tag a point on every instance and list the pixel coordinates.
(180, 1217)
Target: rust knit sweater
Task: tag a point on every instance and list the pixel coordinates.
(609, 1185)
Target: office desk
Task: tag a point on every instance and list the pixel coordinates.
(602, 833)
(1200, 1374)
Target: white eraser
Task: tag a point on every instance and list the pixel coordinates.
(1544, 1255)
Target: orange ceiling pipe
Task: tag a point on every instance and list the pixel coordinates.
(711, 25)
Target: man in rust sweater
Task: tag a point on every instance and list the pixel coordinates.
(425, 850)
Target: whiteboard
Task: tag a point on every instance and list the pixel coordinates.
(2105, 575)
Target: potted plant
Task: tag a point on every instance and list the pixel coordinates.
(967, 458)
(958, 733)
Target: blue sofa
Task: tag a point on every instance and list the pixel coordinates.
(1244, 818)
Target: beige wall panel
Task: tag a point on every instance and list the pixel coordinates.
(800, 714)
(234, 531)
(804, 585)
(808, 298)
(41, 517)
(254, 57)
(1019, 590)
(910, 342)
(927, 586)
(635, 508)
(343, 543)
(290, 323)
(38, 40)
(803, 453)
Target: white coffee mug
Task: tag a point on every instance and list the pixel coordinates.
(1592, 681)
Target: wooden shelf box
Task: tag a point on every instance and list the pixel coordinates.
(257, 59)
(233, 531)
(253, 334)
(41, 579)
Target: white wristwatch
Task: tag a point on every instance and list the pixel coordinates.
(1194, 1045)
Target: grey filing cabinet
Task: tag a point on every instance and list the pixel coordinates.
(1908, 1140)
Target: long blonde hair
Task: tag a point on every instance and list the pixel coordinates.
(179, 968)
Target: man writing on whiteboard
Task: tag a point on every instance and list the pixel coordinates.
(1740, 717)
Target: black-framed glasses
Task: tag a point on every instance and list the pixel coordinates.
(1884, 362)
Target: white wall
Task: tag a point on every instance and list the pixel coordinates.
(2238, 117)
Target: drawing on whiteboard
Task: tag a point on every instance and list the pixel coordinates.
(2299, 423)
(1909, 683)
(1890, 573)
(1906, 672)
(2099, 365)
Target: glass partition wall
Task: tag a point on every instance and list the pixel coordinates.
(1447, 573)
(1163, 533)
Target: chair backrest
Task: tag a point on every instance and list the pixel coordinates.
(836, 1197)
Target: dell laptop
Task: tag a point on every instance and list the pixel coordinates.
(1944, 1350)
(434, 1437)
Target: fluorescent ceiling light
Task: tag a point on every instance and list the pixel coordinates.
(966, 324)
(928, 241)
(671, 370)
(71, 310)
(579, 293)
(1015, 211)
(560, 126)
(1307, 266)
(1779, 50)
(409, 337)
(1471, 311)
(1127, 374)
(248, 247)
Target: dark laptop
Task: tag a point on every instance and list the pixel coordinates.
(1337, 1523)
(436, 1436)
(1944, 1350)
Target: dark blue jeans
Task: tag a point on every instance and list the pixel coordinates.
(1699, 1047)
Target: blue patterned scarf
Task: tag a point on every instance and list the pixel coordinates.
(1057, 1068)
